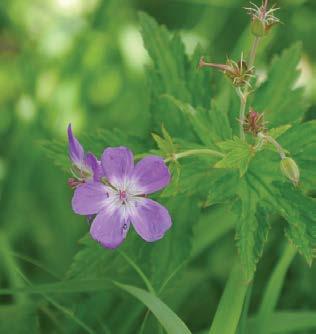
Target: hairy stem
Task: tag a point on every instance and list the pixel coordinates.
(272, 141)
(253, 52)
(188, 153)
(265, 6)
(243, 95)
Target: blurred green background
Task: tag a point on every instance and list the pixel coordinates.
(84, 62)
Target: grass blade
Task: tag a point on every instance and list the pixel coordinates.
(167, 318)
(274, 287)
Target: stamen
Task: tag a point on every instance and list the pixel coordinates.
(123, 195)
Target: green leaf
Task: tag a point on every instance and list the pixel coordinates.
(168, 319)
(238, 155)
(67, 286)
(18, 319)
(285, 322)
(166, 53)
(167, 75)
(279, 131)
(278, 100)
(300, 140)
(214, 223)
(165, 143)
(176, 246)
(197, 118)
(262, 233)
(210, 127)
(223, 188)
(57, 151)
(300, 212)
(246, 230)
(196, 176)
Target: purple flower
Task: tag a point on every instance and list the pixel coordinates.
(85, 166)
(122, 201)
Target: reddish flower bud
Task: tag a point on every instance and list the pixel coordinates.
(254, 122)
(262, 18)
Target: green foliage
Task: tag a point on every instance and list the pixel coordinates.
(170, 321)
(276, 97)
(238, 154)
(12, 317)
(229, 310)
(92, 72)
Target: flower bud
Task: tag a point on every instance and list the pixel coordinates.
(258, 27)
(262, 19)
(290, 170)
(254, 122)
(238, 72)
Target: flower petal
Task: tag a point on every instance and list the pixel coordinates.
(90, 198)
(150, 174)
(76, 151)
(150, 219)
(118, 164)
(94, 166)
(109, 228)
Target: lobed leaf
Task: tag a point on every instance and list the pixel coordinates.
(278, 100)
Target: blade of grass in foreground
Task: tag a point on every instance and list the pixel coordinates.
(284, 322)
(231, 304)
(167, 318)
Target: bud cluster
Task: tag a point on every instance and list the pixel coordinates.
(254, 122)
(238, 72)
(262, 19)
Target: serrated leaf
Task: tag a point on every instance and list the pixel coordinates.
(196, 177)
(279, 131)
(278, 100)
(209, 126)
(165, 143)
(238, 155)
(223, 189)
(197, 118)
(264, 225)
(57, 151)
(198, 81)
(300, 212)
(246, 230)
(300, 140)
(167, 75)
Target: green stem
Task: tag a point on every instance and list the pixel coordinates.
(244, 95)
(149, 286)
(231, 304)
(242, 328)
(242, 111)
(203, 151)
(253, 52)
(11, 266)
(274, 286)
(63, 309)
(272, 141)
